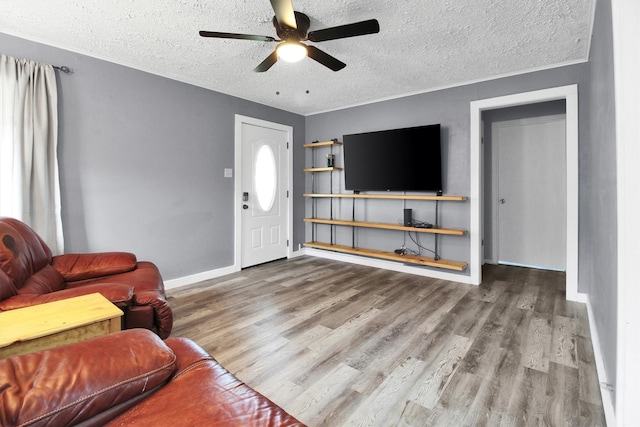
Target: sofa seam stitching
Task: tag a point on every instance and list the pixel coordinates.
(146, 374)
(193, 366)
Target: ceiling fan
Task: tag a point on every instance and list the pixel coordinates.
(292, 28)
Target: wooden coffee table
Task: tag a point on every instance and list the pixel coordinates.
(38, 327)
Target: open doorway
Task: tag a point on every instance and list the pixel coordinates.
(525, 185)
(570, 95)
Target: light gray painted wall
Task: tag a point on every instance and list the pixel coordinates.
(142, 160)
(450, 108)
(598, 226)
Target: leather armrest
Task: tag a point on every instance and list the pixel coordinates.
(74, 267)
(70, 384)
(119, 294)
(163, 315)
(188, 354)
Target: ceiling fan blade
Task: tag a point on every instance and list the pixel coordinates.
(284, 13)
(343, 31)
(267, 63)
(237, 36)
(325, 59)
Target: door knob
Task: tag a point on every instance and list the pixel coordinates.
(503, 201)
(245, 206)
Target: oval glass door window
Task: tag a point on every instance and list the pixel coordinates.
(265, 177)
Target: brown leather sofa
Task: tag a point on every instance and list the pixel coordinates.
(30, 275)
(152, 383)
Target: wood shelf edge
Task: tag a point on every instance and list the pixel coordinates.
(387, 196)
(322, 169)
(387, 226)
(322, 144)
(391, 256)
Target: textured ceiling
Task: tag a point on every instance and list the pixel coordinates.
(422, 44)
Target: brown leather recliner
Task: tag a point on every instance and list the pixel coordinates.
(30, 275)
(153, 383)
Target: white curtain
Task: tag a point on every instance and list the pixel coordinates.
(29, 183)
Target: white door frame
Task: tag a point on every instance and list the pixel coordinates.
(570, 95)
(237, 197)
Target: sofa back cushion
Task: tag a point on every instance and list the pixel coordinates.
(71, 384)
(22, 251)
(77, 267)
(45, 281)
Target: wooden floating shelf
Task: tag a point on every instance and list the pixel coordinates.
(392, 256)
(386, 196)
(322, 169)
(386, 226)
(322, 144)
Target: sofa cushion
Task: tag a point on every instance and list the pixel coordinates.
(203, 393)
(22, 251)
(70, 384)
(119, 294)
(74, 267)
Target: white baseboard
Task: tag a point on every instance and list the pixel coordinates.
(387, 265)
(299, 252)
(212, 274)
(583, 298)
(606, 393)
(353, 259)
(199, 277)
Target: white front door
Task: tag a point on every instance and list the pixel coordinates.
(531, 189)
(264, 192)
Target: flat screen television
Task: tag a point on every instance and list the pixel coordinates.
(406, 159)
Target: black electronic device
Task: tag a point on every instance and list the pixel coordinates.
(407, 159)
(408, 217)
(423, 225)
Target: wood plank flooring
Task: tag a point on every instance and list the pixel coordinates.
(337, 344)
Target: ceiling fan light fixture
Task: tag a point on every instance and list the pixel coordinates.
(291, 51)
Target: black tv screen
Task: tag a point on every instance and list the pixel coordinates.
(394, 160)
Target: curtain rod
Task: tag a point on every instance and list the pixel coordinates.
(63, 68)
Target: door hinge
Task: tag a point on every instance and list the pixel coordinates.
(287, 145)
(287, 242)
(287, 194)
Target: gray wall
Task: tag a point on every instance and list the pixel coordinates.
(450, 108)
(142, 160)
(598, 219)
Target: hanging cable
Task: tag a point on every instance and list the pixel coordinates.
(417, 242)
